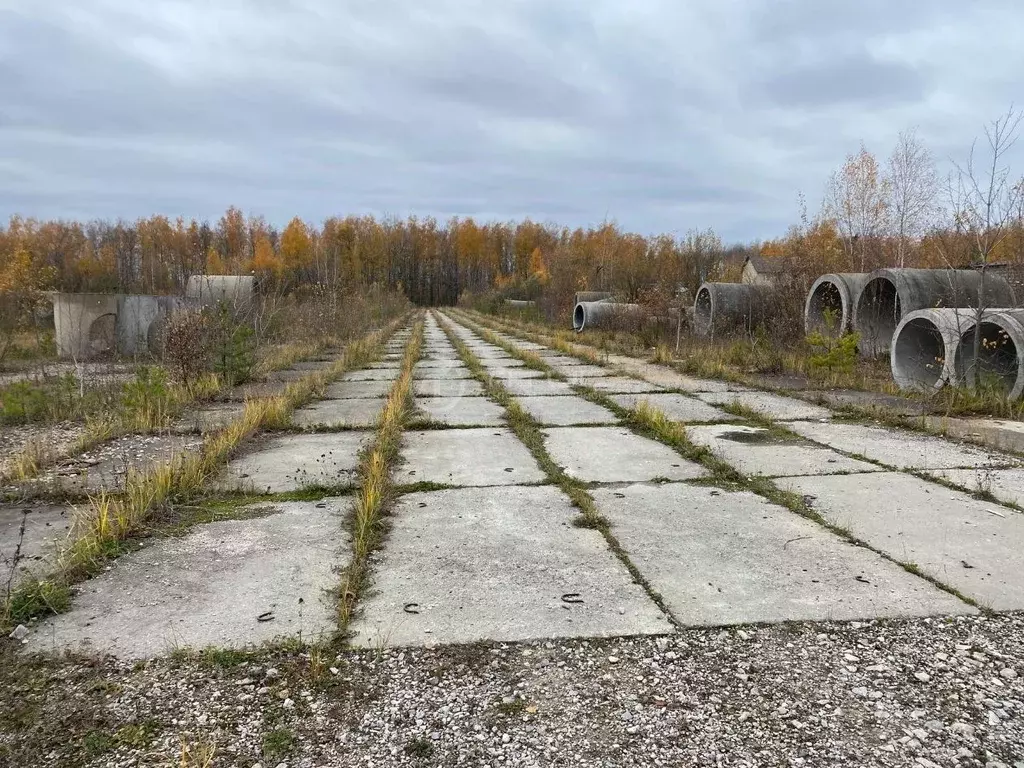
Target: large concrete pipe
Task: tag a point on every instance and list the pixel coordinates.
(594, 314)
(924, 345)
(723, 307)
(890, 294)
(519, 303)
(999, 363)
(835, 295)
(582, 296)
(84, 324)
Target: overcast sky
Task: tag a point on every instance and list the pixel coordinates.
(660, 114)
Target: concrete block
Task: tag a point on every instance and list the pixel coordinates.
(351, 412)
(477, 411)
(447, 388)
(499, 564)
(344, 390)
(567, 410)
(900, 448)
(970, 545)
(616, 455)
(778, 407)
(536, 387)
(615, 384)
(294, 462)
(209, 418)
(508, 374)
(676, 407)
(211, 586)
(757, 451)
(730, 557)
(45, 526)
(467, 457)
(447, 372)
(1006, 485)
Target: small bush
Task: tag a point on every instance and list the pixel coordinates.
(186, 345)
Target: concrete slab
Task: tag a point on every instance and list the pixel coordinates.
(756, 451)
(1006, 485)
(582, 370)
(771, 405)
(509, 374)
(344, 390)
(447, 372)
(210, 588)
(676, 407)
(461, 411)
(567, 410)
(447, 388)
(494, 353)
(294, 462)
(439, 362)
(352, 412)
(616, 384)
(553, 357)
(498, 564)
(254, 390)
(370, 374)
(502, 364)
(973, 546)
(29, 534)
(730, 557)
(208, 418)
(536, 387)
(900, 448)
(287, 375)
(615, 455)
(313, 365)
(467, 457)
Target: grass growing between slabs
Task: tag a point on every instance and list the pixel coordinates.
(530, 434)
(376, 485)
(104, 525)
(649, 421)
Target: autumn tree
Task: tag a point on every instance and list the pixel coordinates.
(856, 198)
(912, 184)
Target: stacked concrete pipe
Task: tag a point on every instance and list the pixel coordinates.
(1001, 353)
(725, 307)
(924, 345)
(891, 294)
(594, 314)
(834, 294)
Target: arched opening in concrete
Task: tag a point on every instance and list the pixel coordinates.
(878, 314)
(703, 311)
(102, 332)
(919, 355)
(997, 365)
(826, 310)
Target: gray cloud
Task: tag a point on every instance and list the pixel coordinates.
(661, 115)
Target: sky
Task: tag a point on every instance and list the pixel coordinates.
(660, 115)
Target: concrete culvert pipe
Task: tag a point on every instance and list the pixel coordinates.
(891, 294)
(519, 303)
(833, 295)
(597, 314)
(999, 363)
(723, 307)
(582, 296)
(924, 345)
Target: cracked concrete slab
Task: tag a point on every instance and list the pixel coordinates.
(29, 535)
(567, 410)
(1006, 485)
(972, 546)
(211, 587)
(731, 557)
(461, 410)
(294, 462)
(615, 455)
(900, 448)
(344, 390)
(208, 418)
(447, 372)
(351, 412)
(773, 406)
(484, 456)
(498, 564)
(370, 374)
(582, 370)
(676, 407)
(616, 385)
(757, 451)
(509, 374)
(447, 388)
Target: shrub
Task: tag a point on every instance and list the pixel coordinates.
(186, 345)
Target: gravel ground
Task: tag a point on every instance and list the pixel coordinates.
(940, 692)
(56, 438)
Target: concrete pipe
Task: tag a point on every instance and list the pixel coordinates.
(519, 304)
(1000, 360)
(84, 324)
(890, 294)
(723, 307)
(833, 294)
(582, 296)
(595, 314)
(924, 345)
(135, 316)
